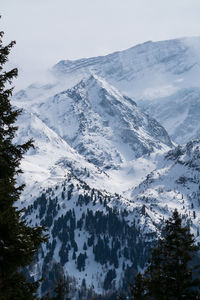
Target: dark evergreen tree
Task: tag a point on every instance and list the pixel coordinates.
(138, 290)
(81, 262)
(85, 246)
(74, 255)
(154, 275)
(62, 289)
(111, 274)
(18, 242)
(171, 273)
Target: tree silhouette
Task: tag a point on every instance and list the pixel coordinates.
(18, 242)
(170, 273)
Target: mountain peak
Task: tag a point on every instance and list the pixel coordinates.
(102, 124)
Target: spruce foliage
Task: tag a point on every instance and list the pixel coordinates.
(62, 289)
(138, 290)
(18, 242)
(171, 273)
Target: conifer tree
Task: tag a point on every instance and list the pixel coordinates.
(62, 289)
(138, 289)
(18, 242)
(170, 271)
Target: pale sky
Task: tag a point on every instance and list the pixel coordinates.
(47, 31)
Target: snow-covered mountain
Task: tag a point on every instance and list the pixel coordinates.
(149, 69)
(104, 126)
(104, 174)
(160, 73)
(66, 181)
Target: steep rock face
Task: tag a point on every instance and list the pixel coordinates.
(101, 124)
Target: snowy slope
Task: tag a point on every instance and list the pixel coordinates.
(174, 184)
(51, 159)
